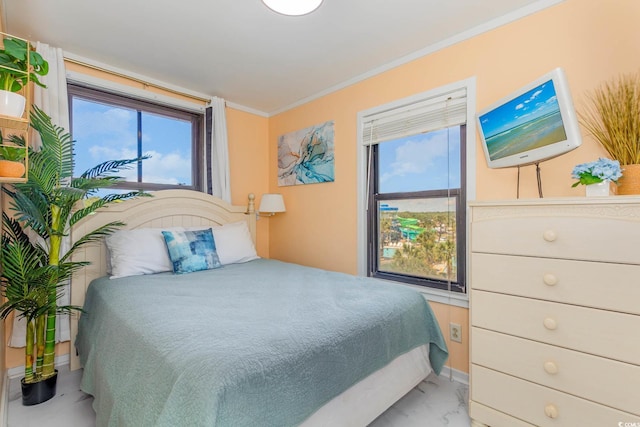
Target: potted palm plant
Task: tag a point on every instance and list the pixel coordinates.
(19, 65)
(34, 268)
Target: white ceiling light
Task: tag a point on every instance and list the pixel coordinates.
(293, 7)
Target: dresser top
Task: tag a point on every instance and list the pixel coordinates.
(549, 201)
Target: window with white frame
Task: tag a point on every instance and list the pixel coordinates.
(415, 189)
(110, 126)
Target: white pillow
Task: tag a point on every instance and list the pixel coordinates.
(139, 251)
(233, 243)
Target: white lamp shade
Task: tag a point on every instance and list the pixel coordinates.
(293, 7)
(271, 203)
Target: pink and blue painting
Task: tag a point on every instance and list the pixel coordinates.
(306, 156)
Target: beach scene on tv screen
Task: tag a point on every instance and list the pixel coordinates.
(532, 120)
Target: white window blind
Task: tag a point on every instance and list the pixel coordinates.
(442, 111)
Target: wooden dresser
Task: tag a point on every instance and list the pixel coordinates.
(555, 312)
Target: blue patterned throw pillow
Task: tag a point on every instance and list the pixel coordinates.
(191, 251)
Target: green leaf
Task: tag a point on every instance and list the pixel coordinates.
(57, 144)
(110, 167)
(92, 237)
(16, 48)
(587, 179)
(14, 154)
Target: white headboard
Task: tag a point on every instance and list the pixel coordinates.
(167, 208)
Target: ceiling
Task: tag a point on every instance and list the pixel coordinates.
(241, 51)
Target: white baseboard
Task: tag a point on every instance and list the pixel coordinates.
(4, 400)
(18, 371)
(455, 375)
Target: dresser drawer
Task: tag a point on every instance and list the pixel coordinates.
(491, 417)
(600, 285)
(581, 238)
(598, 332)
(540, 405)
(594, 378)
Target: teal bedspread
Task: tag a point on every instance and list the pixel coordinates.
(263, 343)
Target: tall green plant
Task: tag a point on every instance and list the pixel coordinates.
(49, 204)
(27, 282)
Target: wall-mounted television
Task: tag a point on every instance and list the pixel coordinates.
(534, 123)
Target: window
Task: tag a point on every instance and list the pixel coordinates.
(415, 190)
(416, 212)
(106, 126)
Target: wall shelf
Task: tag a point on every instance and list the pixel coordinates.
(13, 123)
(18, 125)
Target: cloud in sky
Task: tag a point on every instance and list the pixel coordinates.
(112, 126)
(160, 168)
(428, 161)
(417, 155)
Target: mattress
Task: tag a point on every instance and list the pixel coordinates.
(264, 340)
(363, 402)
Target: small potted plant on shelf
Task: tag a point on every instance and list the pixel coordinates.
(19, 65)
(11, 160)
(36, 267)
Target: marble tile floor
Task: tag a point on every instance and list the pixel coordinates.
(435, 402)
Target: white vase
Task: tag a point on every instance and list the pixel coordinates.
(601, 189)
(11, 104)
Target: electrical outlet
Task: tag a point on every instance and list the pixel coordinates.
(455, 332)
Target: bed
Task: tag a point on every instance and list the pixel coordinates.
(256, 342)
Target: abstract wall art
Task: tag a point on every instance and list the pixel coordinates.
(306, 156)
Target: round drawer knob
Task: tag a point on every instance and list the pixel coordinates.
(549, 235)
(550, 323)
(551, 411)
(550, 279)
(550, 368)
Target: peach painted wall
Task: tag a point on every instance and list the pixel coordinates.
(592, 40)
(458, 352)
(248, 152)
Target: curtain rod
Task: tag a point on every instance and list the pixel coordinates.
(134, 79)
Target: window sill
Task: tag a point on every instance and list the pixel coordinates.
(443, 297)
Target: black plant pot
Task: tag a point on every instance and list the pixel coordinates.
(35, 393)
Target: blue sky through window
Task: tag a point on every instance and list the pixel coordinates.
(428, 161)
(105, 132)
